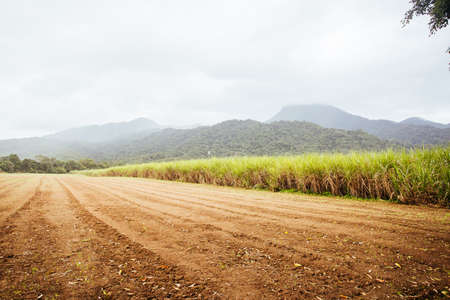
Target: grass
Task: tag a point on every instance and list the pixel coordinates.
(420, 176)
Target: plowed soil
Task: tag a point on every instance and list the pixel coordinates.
(75, 237)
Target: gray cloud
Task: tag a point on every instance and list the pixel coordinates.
(178, 62)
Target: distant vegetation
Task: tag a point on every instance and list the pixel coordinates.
(13, 164)
(414, 176)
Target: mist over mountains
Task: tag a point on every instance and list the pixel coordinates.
(423, 122)
(294, 130)
(106, 132)
(412, 131)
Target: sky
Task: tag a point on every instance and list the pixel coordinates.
(65, 64)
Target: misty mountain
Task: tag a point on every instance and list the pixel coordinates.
(411, 132)
(106, 132)
(82, 142)
(237, 138)
(423, 122)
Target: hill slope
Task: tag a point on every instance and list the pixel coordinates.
(233, 138)
(410, 132)
(106, 132)
(87, 141)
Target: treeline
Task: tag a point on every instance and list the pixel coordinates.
(13, 164)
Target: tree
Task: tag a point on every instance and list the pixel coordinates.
(7, 166)
(438, 10)
(29, 165)
(15, 160)
(88, 163)
(73, 165)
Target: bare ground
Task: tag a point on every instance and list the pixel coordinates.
(74, 237)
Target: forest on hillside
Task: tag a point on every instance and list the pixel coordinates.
(246, 138)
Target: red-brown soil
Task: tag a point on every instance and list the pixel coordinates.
(75, 237)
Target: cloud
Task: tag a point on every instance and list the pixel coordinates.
(179, 62)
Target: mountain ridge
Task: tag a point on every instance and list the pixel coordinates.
(332, 117)
(142, 139)
(423, 122)
(100, 133)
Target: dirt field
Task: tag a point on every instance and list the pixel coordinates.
(66, 236)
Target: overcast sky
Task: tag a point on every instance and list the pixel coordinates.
(73, 63)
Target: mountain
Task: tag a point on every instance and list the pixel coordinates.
(82, 142)
(323, 115)
(423, 122)
(237, 138)
(143, 140)
(106, 132)
(332, 117)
